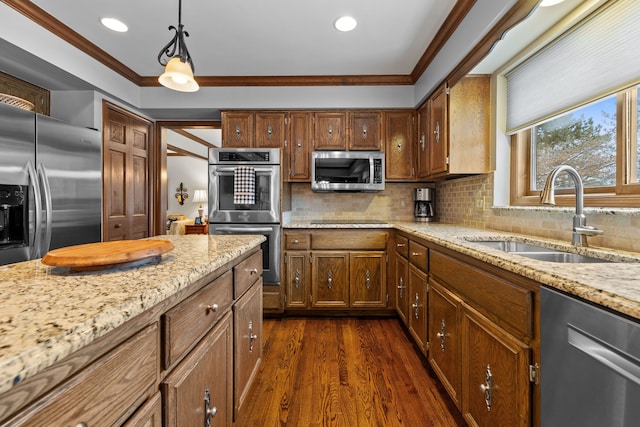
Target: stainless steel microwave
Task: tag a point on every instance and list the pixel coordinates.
(347, 171)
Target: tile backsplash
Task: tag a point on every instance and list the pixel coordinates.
(468, 201)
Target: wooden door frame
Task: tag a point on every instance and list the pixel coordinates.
(159, 184)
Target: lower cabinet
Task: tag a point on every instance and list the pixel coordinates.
(495, 381)
(150, 415)
(198, 390)
(354, 276)
(445, 339)
(402, 288)
(481, 341)
(418, 306)
(247, 325)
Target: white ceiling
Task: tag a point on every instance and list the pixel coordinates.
(263, 38)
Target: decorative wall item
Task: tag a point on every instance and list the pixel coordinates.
(182, 194)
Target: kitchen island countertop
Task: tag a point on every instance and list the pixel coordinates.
(48, 313)
(615, 284)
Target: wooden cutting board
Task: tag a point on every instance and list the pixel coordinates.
(106, 255)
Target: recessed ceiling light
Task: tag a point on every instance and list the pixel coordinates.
(345, 23)
(114, 25)
(546, 3)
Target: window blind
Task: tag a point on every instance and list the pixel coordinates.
(595, 58)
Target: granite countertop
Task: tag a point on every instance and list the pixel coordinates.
(48, 313)
(615, 285)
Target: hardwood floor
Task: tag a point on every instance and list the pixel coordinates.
(344, 372)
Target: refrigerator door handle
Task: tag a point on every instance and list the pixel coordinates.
(46, 241)
(33, 178)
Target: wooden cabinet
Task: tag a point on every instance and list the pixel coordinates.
(444, 338)
(491, 320)
(105, 393)
(418, 306)
(459, 128)
(399, 128)
(365, 130)
(330, 130)
(402, 277)
(422, 158)
(330, 279)
(196, 229)
(299, 154)
(198, 391)
(246, 129)
(331, 269)
(496, 385)
(247, 325)
(149, 415)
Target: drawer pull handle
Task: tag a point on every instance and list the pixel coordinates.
(296, 241)
(253, 271)
(213, 307)
(330, 279)
(82, 424)
(400, 245)
(415, 253)
(487, 388)
(442, 335)
(209, 412)
(252, 336)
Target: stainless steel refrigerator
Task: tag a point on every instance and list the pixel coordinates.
(50, 185)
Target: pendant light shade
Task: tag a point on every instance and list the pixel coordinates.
(178, 76)
(178, 72)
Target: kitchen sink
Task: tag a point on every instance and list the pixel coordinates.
(538, 252)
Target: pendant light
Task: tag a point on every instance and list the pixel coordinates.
(178, 72)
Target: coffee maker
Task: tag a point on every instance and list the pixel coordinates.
(423, 204)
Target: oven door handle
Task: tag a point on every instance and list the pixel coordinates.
(246, 229)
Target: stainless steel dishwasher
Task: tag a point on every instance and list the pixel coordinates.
(590, 357)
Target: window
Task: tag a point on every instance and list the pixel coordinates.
(599, 140)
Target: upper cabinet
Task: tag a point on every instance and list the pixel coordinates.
(247, 129)
(330, 130)
(422, 157)
(459, 120)
(299, 156)
(365, 130)
(399, 145)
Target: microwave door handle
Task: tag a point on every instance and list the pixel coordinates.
(33, 178)
(46, 187)
(246, 229)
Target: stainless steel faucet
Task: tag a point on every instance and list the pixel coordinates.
(580, 228)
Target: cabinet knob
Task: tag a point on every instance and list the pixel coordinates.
(118, 226)
(415, 253)
(252, 271)
(296, 241)
(213, 307)
(400, 245)
(364, 131)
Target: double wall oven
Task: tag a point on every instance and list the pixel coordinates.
(251, 206)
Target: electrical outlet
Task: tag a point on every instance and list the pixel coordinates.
(479, 204)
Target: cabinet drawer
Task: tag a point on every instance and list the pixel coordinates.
(507, 305)
(107, 392)
(350, 240)
(402, 246)
(418, 255)
(246, 273)
(296, 241)
(188, 321)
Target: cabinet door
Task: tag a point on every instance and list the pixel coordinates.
(330, 131)
(202, 381)
(399, 141)
(418, 307)
(270, 130)
(423, 140)
(438, 143)
(300, 131)
(237, 129)
(402, 288)
(368, 276)
(297, 279)
(444, 339)
(247, 325)
(330, 279)
(495, 381)
(365, 133)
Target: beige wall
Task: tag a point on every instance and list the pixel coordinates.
(468, 201)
